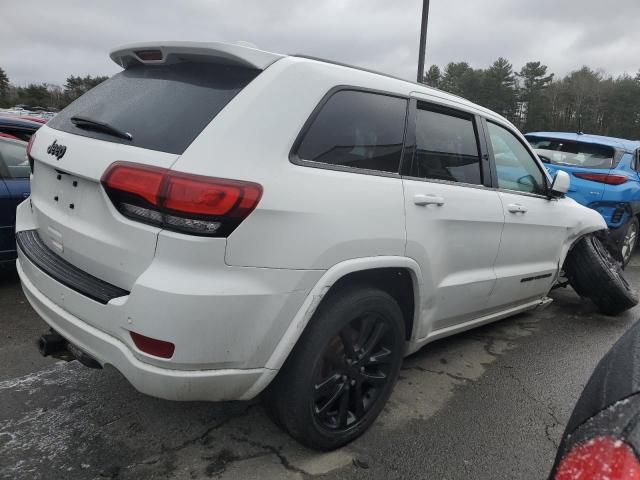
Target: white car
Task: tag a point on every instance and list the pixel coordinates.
(215, 220)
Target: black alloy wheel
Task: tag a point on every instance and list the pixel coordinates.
(354, 369)
(342, 370)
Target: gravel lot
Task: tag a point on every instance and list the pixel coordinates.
(490, 403)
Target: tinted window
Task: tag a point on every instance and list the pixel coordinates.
(19, 133)
(164, 107)
(13, 159)
(446, 148)
(357, 129)
(516, 167)
(575, 154)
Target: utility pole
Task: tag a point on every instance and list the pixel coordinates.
(423, 40)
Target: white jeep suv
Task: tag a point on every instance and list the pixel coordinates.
(215, 220)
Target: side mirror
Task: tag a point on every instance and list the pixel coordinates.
(560, 185)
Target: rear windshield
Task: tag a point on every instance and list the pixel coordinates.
(571, 153)
(163, 107)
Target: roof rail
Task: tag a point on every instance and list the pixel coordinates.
(376, 72)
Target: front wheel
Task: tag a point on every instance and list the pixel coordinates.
(595, 274)
(342, 370)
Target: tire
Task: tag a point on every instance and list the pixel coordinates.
(629, 240)
(341, 372)
(593, 273)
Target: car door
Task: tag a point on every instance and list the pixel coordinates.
(6, 225)
(535, 227)
(14, 188)
(454, 219)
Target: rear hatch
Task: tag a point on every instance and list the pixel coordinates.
(162, 107)
(587, 163)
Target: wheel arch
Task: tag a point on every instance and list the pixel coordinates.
(602, 234)
(585, 221)
(369, 271)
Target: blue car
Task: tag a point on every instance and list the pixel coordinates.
(604, 176)
(14, 188)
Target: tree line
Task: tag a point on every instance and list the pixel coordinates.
(585, 100)
(45, 95)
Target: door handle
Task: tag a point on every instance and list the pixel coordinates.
(517, 208)
(423, 200)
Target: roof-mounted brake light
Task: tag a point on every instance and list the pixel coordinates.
(149, 55)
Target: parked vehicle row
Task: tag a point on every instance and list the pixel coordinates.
(219, 222)
(18, 128)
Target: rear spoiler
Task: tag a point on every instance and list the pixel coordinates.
(156, 53)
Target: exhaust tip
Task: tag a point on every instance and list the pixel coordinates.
(42, 346)
(50, 344)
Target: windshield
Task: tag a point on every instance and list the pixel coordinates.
(13, 159)
(164, 107)
(572, 153)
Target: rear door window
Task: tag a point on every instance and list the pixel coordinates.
(446, 146)
(163, 107)
(571, 153)
(357, 129)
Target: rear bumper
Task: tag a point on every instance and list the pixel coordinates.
(170, 384)
(224, 321)
(615, 213)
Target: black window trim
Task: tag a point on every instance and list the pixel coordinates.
(296, 160)
(476, 120)
(527, 147)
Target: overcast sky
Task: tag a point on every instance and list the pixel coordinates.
(45, 41)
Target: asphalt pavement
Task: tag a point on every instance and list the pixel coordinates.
(491, 403)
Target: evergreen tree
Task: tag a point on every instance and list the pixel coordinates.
(433, 76)
(4, 89)
(499, 88)
(534, 80)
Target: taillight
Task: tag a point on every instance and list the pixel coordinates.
(181, 202)
(610, 179)
(153, 346)
(598, 459)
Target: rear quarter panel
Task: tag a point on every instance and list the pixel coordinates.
(308, 218)
(582, 191)
(628, 192)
